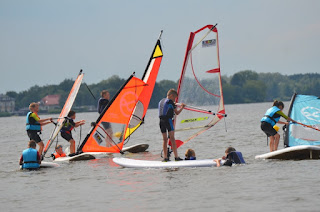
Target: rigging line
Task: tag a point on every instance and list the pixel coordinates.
(307, 126)
(90, 91)
(80, 137)
(203, 38)
(111, 139)
(201, 109)
(225, 125)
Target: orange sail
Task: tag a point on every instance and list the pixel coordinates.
(114, 118)
(149, 77)
(126, 111)
(65, 110)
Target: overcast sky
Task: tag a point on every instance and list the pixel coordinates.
(45, 42)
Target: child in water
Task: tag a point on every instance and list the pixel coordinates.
(231, 156)
(190, 155)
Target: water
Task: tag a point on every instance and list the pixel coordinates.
(101, 185)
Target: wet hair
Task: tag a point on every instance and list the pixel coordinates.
(71, 113)
(190, 153)
(33, 105)
(172, 91)
(57, 147)
(278, 103)
(230, 149)
(32, 144)
(103, 92)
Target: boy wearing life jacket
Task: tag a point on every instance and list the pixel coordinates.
(34, 125)
(68, 125)
(167, 109)
(59, 152)
(231, 156)
(30, 158)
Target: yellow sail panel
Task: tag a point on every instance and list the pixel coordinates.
(130, 130)
(157, 52)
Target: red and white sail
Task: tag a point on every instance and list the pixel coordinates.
(200, 86)
(65, 110)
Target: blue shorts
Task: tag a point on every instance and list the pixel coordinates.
(166, 125)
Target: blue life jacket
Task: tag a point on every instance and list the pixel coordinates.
(166, 109)
(32, 126)
(191, 158)
(268, 117)
(30, 160)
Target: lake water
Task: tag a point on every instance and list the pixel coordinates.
(101, 185)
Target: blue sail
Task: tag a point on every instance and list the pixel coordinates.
(306, 110)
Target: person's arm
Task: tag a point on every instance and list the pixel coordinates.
(218, 161)
(286, 117)
(77, 124)
(177, 112)
(38, 158)
(21, 160)
(41, 121)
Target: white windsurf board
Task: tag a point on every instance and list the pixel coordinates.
(132, 163)
(45, 164)
(293, 153)
(78, 157)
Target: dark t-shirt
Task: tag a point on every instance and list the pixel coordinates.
(102, 103)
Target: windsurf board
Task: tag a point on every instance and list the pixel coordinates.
(136, 148)
(293, 153)
(132, 163)
(78, 157)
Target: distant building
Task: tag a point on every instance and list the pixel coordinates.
(7, 103)
(50, 102)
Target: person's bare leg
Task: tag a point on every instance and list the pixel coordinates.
(165, 145)
(271, 143)
(41, 146)
(173, 144)
(72, 146)
(109, 142)
(276, 141)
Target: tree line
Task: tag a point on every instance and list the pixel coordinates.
(243, 87)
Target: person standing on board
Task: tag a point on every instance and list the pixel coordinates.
(34, 125)
(271, 117)
(30, 158)
(167, 109)
(68, 125)
(102, 103)
(232, 156)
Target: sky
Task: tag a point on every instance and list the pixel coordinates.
(45, 42)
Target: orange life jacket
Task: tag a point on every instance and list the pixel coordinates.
(56, 155)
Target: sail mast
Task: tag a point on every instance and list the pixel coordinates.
(65, 110)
